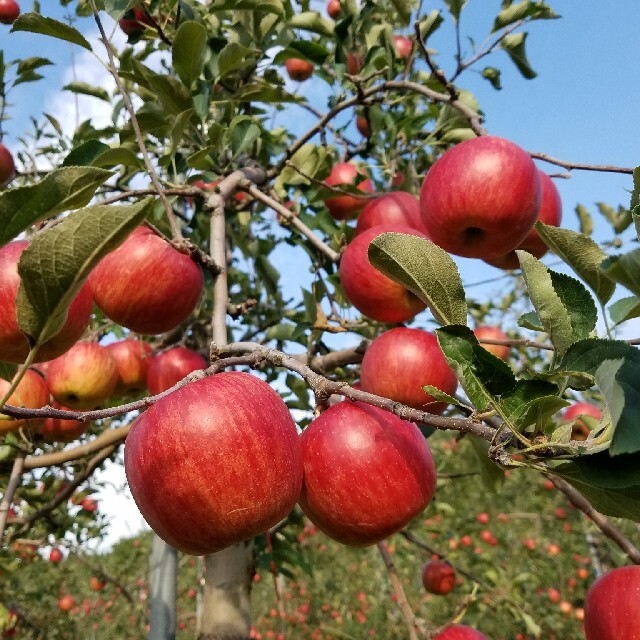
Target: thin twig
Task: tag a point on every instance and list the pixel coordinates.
(12, 485)
(606, 168)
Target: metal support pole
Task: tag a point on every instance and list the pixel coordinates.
(162, 588)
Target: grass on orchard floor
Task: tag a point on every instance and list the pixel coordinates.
(534, 568)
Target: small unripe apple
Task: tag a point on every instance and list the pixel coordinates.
(298, 69)
(169, 367)
(13, 344)
(399, 362)
(438, 577)
(215, 462)
(403, 46)
(333, 9)
(7, 165)
(460, 632)
(481, 198)
(343, 207)
(32, 392)
(612, 606)
(146, 285)
(493, 333)
(550, 213)
(367, 473)
(84, 377)
(395, 207)
(9, 12)
(369, 290)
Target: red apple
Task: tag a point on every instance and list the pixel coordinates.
(96, 584)
(13, 345)
(7, 165)
(612, 606)
(581, 430)
(481, 198)
(134, 23)
(333, 9)
(396, 207)
(362, 125)
(132, 359)
(61, 430)
(169, 367)
(89, 504)
(32, 392)
(369, 290)
(367, 473)
(55, 555)
(298, 69)
(550, 213)
(215, 462)
(238, 196)
(400, 361)
(84, 377)
(438, 577)
(9, 12)
(346, 206)
(403, 46)
(493, 333)
(146, 285)
(355, 61)
(460, 632)
(66, 603)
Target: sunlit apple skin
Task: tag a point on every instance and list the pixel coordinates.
(493, 333)
(345, 207)
(132, 359)
(550, 213)
(333, 9)
(396, 207)
(369, 290)
(9, 12)
(298, 69)
(481, 198)
(400, 361)
(403, 46)
(460, 632)
(169, 367)
(7, 164)
(215, 462)
(13, 345)
(367, 473)
(84, 377)
(438, 577)
(32, 392)
(580, 430)
(60, 430)
(146, 285)
(612, 606)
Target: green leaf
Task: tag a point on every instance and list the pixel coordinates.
(241, 133)
(189, 51)
(532, 402)
(35, 23)
(232, 58)
(514, 45)
(426, 270)
(441, 396)
(115, 156)
(8, 370)
(522, 10)
(455, 8)
(85, 89)
(30, 64)
(310, 160)
(482, 375)
(564, 306)
(312, 21)
(57, 262)
(636, 220)
(493, 76)
(616, 368)
(585, 220)
(62, 189)
(612, 485)
(530, 320)
(492, 475)
(305, 50)
(619, 220)
(582, 254)
(624, 269)
(85, 153)
(116, 8)
(625, 309)
(635, 194)
(268, 6)
(430, 23)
